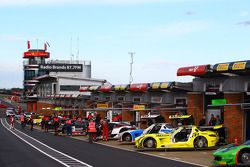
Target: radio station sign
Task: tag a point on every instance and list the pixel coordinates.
(61, 67)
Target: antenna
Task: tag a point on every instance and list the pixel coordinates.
(71, 54)
(77, 54)
(131, 67)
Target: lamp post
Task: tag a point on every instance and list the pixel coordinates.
(131, 67)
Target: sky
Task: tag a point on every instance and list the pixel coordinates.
(164, 35)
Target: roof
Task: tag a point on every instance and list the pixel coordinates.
(236, 68)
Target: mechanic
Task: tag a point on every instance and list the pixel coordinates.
(56, 124)
(105, 130)
(92, 130)
(31, 123)
(46, 118)
(12, 122)
(22, 121)
(69, 126)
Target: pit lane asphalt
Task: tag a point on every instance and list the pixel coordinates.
(16, 153)
(93, 154)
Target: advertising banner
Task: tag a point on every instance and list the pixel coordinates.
(61, 67)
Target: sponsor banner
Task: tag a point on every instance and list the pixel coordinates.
(139, 87)
(165, 85)
(155, 86)
(61, 67)
(222, 67)
(102, 105)
(193, 70)
(239, 66)
(138, 107)
(36, 54)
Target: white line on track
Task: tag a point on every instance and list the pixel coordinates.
(61, 162)
(159, 156)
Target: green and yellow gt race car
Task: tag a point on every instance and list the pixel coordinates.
(233, 154)
(184, 137)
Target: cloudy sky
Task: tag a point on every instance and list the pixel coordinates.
(164, 34)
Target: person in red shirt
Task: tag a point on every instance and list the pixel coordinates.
(31, 123)
(22, 119)
(12, 122)
(46, 119)
(56, 124)
(105, 130)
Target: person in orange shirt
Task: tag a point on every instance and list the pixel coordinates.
(92, 131)
(22, 119)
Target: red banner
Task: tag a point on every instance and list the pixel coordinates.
(106, 88)
(36, 54)
(193, 70)
(139, 87)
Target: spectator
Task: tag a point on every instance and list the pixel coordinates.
(202, 122)
(212, 121)
(218, 120)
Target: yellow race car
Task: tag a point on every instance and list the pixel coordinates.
(37, 119)
(184, 137)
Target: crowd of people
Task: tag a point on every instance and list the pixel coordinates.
(212, 121)
(95, 127)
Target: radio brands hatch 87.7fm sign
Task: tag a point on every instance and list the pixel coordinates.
(61, 67)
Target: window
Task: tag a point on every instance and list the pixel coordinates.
(120, 98)
(96, 98)
(156, 99)
(29, 74)
(69, 87)
(137, 99)
(181, 102)
(107, 98)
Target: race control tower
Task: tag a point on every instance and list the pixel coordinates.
(32, 59)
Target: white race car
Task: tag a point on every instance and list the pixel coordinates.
(118, 127)
(130, 135)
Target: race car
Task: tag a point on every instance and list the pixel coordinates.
(184, 137)
(233, 154)
(115, 128)
(129, 136)
(37, 119)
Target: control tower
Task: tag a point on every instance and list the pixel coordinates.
(32, 59)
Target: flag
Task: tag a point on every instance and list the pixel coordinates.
(48, 44)
(28, 44)
(45, 46)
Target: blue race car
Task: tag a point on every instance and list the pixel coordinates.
(130, 135)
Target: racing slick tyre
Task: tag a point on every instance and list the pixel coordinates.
(200, 142)
(244, 157)
(127, 138)
(150, 143)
